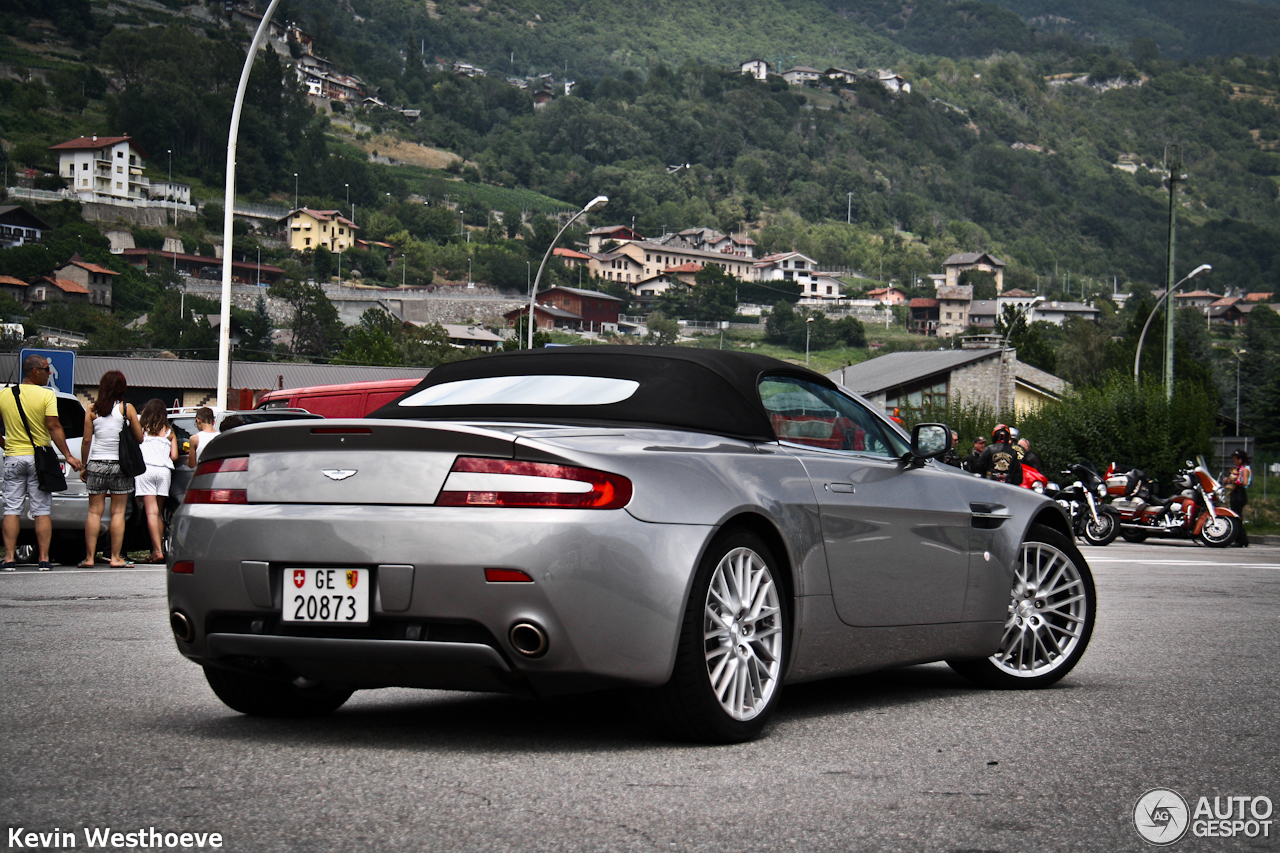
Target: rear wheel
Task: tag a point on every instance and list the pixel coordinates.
(1130, 536)
(262, 697)
(1051, 613)
(728, 669)
(1219, 531)
(1103, 531)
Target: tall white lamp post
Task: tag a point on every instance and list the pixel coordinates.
(1137, 356)
(595, 204)
(807, 327)
(229, 204)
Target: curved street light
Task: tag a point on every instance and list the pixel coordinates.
(1004, 342)
(595, 204)
(228, 212)
(1137, 356)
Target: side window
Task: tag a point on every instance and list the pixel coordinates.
(805, 413)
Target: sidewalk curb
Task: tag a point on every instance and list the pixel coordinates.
(1265, 540)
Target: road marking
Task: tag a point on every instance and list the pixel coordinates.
(1185, 563)
(24, 572)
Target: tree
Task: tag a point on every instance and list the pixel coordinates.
(662, 331)
(316, 327)
(373, 341)
(256, 344)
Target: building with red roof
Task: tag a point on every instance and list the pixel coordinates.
(104, 169)
(93, 277)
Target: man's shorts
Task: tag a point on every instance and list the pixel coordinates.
(20, 482)
(153, 481)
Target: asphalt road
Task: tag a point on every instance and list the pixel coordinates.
(105, 725)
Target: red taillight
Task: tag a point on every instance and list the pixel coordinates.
(216, 466)
(216, 496)
(506, 576)
(510, 483)
(184, 567)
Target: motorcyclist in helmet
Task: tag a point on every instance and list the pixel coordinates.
(1000, 460)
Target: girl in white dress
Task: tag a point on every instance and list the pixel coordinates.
(159, 450)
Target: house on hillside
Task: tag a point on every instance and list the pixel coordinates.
(596, 237)
(1197, 299)
(982, 314)
(1058, 313)
(15, 287)
(756, 68)
(785, 266)
(924, 316)
(953, 309)
(308, 229)
(654, 258)
(980, 261)
(888, 295)
(646, 291)
(840, 75)
(94, 278)
(917, 379)
(615, 266)
(19, 226)
(103, 169)
(571, 258)
(594, 309)
(799, 75)
(709, 240)
(49, 289)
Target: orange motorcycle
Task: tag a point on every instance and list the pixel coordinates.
(1197, 510)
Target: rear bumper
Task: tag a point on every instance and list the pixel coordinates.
(608, 590)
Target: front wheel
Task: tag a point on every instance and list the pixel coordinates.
(1052, 608)
(262, 697)
(729, 662)
(1103, 531)
(1219, 531)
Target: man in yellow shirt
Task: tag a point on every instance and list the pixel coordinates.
(41, 408)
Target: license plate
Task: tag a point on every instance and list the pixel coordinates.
(327, 595)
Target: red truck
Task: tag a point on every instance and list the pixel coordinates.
(350, 400)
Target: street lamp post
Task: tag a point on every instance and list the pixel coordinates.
(848, 214)
(1003, 343)
(595, 204)
(228, 208)
(295, 190)
(168, 190)
(1173, 163)
(1238, 353)
(1137, 356)
(807, 326)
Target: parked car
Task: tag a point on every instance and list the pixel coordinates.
(703, 525)
(348, 400)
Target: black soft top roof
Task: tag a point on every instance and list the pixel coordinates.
(696, 389)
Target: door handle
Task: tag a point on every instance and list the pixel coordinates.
(841, 488)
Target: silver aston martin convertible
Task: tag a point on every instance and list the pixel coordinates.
(703, 525)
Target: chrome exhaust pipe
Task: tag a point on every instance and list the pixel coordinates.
(528, 639)
(182, 627)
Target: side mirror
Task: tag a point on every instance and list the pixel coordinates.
(930, 441)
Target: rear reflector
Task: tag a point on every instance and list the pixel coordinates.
(216, 496)
(510, 483)
(215, 466)
(506, 576)
(184, 567)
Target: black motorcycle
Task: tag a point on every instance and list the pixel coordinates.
(1092, 520)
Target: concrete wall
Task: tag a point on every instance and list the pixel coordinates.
(976, 383)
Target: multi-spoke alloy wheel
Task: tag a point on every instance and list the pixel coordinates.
(742, 633)
(732, 654)
(1219, 531)
(1049, 620)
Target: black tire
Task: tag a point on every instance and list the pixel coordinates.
(66, 552)
(1130, 536)
(1062, 618)
(1220, 532)
(1102, 532)
(689, 707)
(262, 697)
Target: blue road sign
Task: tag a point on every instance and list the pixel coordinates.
(62, 367)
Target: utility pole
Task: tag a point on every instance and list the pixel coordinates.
(1173, 163)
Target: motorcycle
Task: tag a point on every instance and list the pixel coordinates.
(1197, 511)
(1033, 479)
(1095, 522)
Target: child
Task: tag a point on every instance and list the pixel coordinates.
(159, 449)
(203, 435)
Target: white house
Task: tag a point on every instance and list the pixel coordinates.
(785, 266)
(756, 68)
(105, 169)
(801, 74)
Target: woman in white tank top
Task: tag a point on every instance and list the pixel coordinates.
(100, 449)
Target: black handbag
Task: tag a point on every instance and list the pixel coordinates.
(131, 461)
(49, 476)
